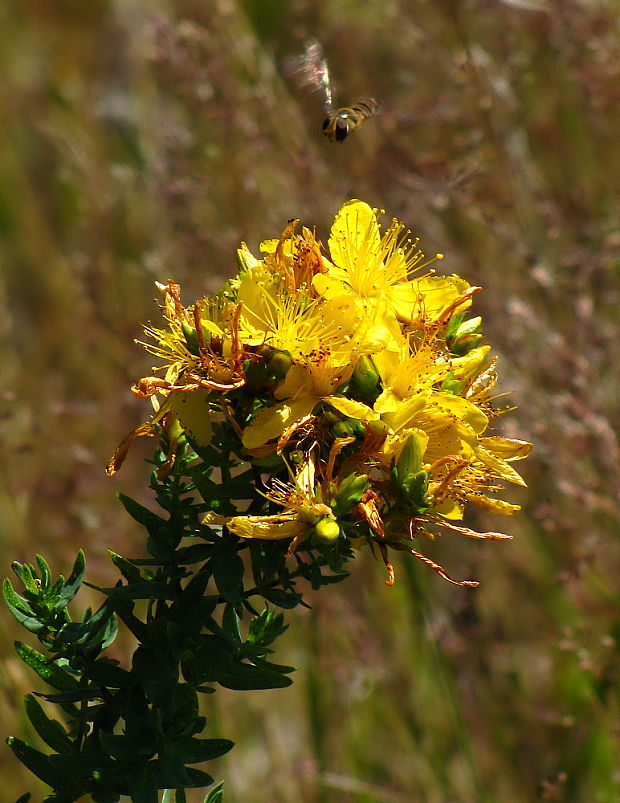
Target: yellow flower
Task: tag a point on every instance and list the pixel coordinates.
(377, 269)
(303, 511)
(313, 380)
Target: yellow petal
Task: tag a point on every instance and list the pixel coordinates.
(396, 412)
(506, 448)
(192, 410)
(329, 287)
(267, 528)
(351, 408)
(427, 296)
(493, 505)
(462, 409)
(272, 421)
(355, 231)
(449, 509)
(471, 364)
(499, 466)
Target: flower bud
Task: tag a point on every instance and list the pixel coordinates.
(465, 337)
(342, 429)
(410, 460)
(350, 491)
(279, 363)
(366, 378)
(191, 338)
(327, 530)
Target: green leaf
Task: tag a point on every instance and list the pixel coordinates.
(171, 763)
(145, 589)
(24, 798)
(198, 778)
(130, 572)
(198, 750)
(181, 711)
(191, 596)
(24, 572)
(39, 764)
(266, 627)
(216, 795)
(106, 672)
(44, 571)
(228, 571)
(143, 786)
(50, 730)
(73, 583)
(149, 520)
(283, 668)
(86, 767)
(195, 553)
(81, 694)
(180, 796)
(157, 672)
(20, 609)
(51, 673)
(244, 677)
(127, 748)
(211, 660)
(239, 487)
(96, 629)
(230, 623)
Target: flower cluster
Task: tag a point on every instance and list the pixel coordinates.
(355, 387)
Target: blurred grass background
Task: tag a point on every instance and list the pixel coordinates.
(143, 140)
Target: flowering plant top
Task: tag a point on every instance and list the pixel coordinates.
(351, 395)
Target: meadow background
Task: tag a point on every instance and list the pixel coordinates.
(142, 141)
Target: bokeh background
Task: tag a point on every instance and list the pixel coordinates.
(142, 141)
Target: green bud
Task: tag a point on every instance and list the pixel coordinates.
(378, 427)
(463, 345)
(191, 338)
(329, 417)
(327, 530)
(366, 378)
(464, 337)
(175, 428)
(271, 462)
(410, 460)
(357, 428)
(415, 489)
(350, 491)
(279, 363)
(246, 259)
(452, 385)
(468, 327)
(342, 429)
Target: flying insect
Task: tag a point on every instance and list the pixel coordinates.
(340, 122)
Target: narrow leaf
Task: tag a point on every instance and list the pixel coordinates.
(20, 609)
(198, 750)
(44, 571)
(39, 764)
(50, 730)
(216, 795)
(51, 673)
(24, 572)
(244, 677)
(149, 520)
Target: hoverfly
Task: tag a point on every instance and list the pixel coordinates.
(339, 123)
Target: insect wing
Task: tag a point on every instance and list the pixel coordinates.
(313, 73)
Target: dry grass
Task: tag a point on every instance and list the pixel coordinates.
(140, 142)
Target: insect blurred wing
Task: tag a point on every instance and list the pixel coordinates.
(313, 73)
